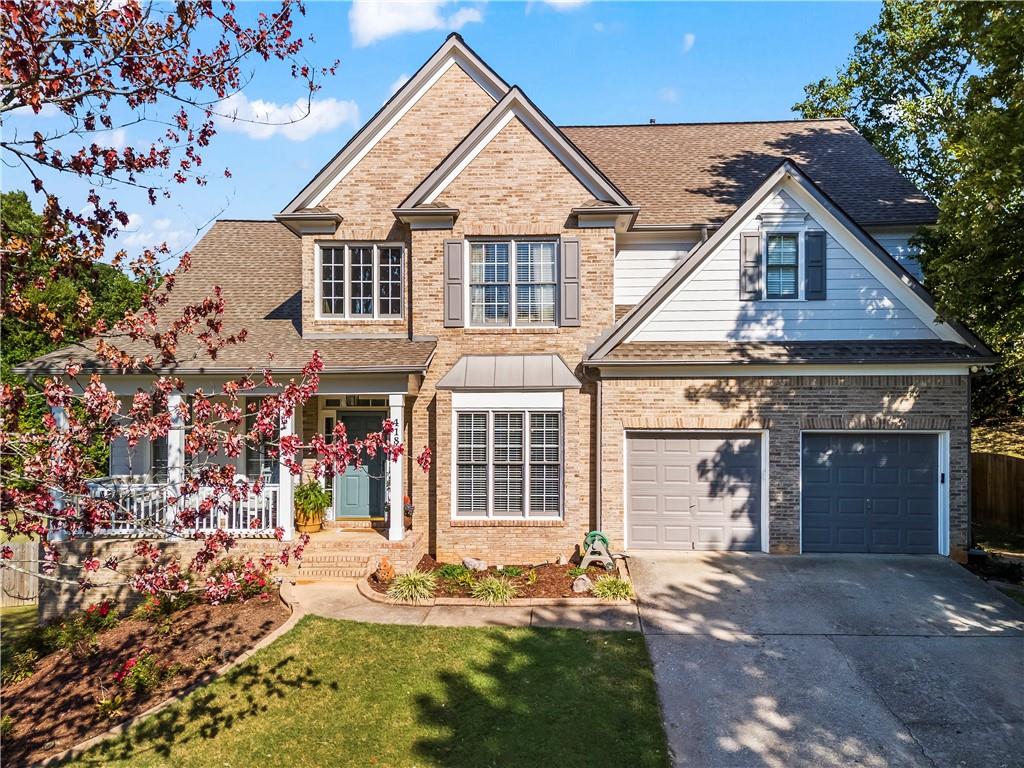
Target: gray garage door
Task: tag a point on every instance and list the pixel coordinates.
(694, 491)
(870, 493)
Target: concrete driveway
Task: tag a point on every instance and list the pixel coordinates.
(832, 660)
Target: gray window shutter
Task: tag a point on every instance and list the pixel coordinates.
(815, 266)
(569, 303)
(454, 290)
(750, 266)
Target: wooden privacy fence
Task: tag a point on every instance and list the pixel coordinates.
(997, 491)
(18, 587)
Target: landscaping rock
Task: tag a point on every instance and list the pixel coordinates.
(563, 560)
(582, 584)
(473, 564)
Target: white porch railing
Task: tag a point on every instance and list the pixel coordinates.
(142, 507)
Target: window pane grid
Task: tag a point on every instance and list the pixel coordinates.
(333, 281)
(489, 289)
(390, 280)
(361, 280)
(513, 283)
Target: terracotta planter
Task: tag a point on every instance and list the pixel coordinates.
(309, 527)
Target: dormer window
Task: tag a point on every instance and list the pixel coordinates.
(360, 281)
(782, 266)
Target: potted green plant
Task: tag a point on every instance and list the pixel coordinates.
(311, 501)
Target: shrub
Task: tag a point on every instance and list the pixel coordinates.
(576, 571)
(233, 579)
(413, 586)
(452, 572)
(612, 588)
(78, 633)
(110, 706)
(531, 576)
(495, 590)
(20, 666)
(159, 608)
(511, 571)
(143, 673)
(6, 727)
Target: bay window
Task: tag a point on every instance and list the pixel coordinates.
(512, 283)
(508, 464)
(361, 281)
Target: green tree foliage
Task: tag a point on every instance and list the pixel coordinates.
(111, 293)
(938, 88)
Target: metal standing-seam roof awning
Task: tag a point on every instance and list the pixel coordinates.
(509, 372)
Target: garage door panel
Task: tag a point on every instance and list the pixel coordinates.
(869, 493)
(707, 491)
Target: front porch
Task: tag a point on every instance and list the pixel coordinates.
(369, 499)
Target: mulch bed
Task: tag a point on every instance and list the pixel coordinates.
(56, 707)
(553, 580)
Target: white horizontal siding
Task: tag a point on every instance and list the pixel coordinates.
(638, 268)
(899, 247)
(707, 306)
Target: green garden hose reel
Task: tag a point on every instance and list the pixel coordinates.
(595, 550)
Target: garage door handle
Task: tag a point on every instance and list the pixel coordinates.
(867, 505)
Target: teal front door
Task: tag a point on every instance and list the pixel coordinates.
(359, 492)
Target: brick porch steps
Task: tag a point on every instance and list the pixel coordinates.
(352, 554)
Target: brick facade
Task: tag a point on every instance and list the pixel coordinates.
(785, 406)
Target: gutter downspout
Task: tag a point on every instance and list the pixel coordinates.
(600, 441)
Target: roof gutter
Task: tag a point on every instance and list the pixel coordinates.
(612, 363)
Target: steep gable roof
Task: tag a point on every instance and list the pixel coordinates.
(515, 105)
(693, 174)
(453, 52)
(786, 170)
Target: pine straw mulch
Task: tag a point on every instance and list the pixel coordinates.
(56, 707)
(553, 580)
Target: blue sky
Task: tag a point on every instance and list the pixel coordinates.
(580, 62)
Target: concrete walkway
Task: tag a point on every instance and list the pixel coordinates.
(341, 600)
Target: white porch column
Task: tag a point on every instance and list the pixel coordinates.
(56, 535)
(396, 523)
(285, 496)
(175, 455)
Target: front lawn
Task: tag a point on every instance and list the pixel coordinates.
(338, 693)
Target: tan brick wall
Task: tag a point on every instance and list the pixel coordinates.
(514, 187)
(786, 405)
(389, 172)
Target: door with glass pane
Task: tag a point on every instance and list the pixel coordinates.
(359, 492)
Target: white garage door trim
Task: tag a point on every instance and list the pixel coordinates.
(943, 481)
(764, 447)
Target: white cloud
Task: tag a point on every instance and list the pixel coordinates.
(402, 80)
(373, 20)
(669, 94)
(688, 40)
(136, 235)
(115, 138)
(260, 119)
(565, 5)
(47, 110)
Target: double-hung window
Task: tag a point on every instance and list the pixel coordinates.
(512, 283)
(361, 281)
(508, 464)
(782, 266)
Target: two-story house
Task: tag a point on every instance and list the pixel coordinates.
(701, 336)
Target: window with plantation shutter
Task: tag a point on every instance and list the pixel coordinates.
(508, 464)
(471, 455)
(513, 283)
(781, 277)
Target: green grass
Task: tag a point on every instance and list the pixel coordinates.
(334, 693)
(16, 626)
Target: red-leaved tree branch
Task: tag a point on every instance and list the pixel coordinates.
(164, 70)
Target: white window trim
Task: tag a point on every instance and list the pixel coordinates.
(347, 245)
(512, 306)
(799, 233)
(502, 406)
